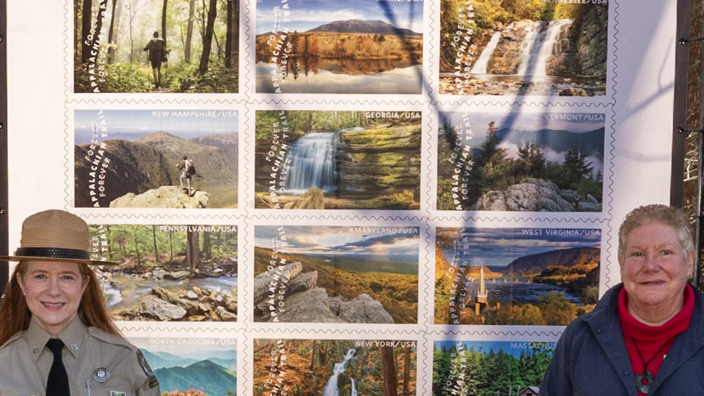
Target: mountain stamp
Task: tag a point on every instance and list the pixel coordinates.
(155, 47)
(168, 272)
(191, 366)
(333, 274)
(332, 47)
(161, 158)
(472, 367)
(317, 159)
(539, 48)
(334, 367)
(517, 160)
(515, 276)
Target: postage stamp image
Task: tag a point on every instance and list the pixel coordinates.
(336, 274)
(156, 158)
(168, 272)
(515, 276)
(333, 47)
(538, 48)
(316, 159)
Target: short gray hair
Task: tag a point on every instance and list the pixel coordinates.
(656, 213)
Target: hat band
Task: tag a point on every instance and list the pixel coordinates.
(53, 253)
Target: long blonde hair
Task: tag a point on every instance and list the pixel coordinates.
(15, 315)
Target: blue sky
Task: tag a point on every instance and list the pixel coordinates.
(309, 14)
(500, 246)
(336, 240)
(167, 120)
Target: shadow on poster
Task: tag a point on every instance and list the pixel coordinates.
(521, 47)
(332, 47)
(520, 161)
(168, 272)
(135, 158)
(515, 276)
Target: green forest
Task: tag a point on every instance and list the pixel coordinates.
(377, 368)
(487, 373)
(201, 43)
(203, 251)
(489, 169)
(490, 14)
(397, 292)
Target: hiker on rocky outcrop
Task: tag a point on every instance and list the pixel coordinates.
(187, 171)
(157, 54)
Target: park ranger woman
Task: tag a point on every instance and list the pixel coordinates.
(56, 337)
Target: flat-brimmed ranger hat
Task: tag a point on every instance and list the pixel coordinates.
(55, 235)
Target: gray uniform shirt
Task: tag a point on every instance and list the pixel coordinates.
(88, 355)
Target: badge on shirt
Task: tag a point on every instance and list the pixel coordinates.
(153, 382)
(116, 393)
(101, 375)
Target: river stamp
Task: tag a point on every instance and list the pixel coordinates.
(165, 158)
(515, 276)
(537, 48)
(336, 274)
(521, 161)
(168, 272)
(332, 47)
(334, 367)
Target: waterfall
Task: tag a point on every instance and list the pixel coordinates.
(537, 47)
(483, 61)
(331, 387)
(353, 391)
(312, 159)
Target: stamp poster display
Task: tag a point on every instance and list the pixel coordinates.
(363, 198)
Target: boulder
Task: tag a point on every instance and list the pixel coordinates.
(273, 279)
(230, 300)
(162, 197)
(177, 275)
(225, 315)
(166, 295)
(364, 309)
(161, 309)
(311, 199)
(303, 282)
(310, 306)
(534, 195)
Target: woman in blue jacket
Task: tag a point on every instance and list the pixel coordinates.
(644, 337)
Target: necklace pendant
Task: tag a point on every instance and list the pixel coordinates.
(643, 381)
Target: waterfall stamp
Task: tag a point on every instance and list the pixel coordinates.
(315, 159)
(539, 48)
(161, 158)
(155, 47)
(515, 276)
(333, 47)
(334, 367)
(334, 274)
(191, 366)
(168, 272)
(464, 367)
(520, 161)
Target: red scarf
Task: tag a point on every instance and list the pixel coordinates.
(652, 340)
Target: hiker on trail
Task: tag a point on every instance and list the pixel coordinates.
(187, 171)
(157, 54)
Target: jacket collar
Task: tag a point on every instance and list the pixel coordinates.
(606, 327)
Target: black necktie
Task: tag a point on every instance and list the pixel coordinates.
(57, 385)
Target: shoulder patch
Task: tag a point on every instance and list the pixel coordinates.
(153, 382)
